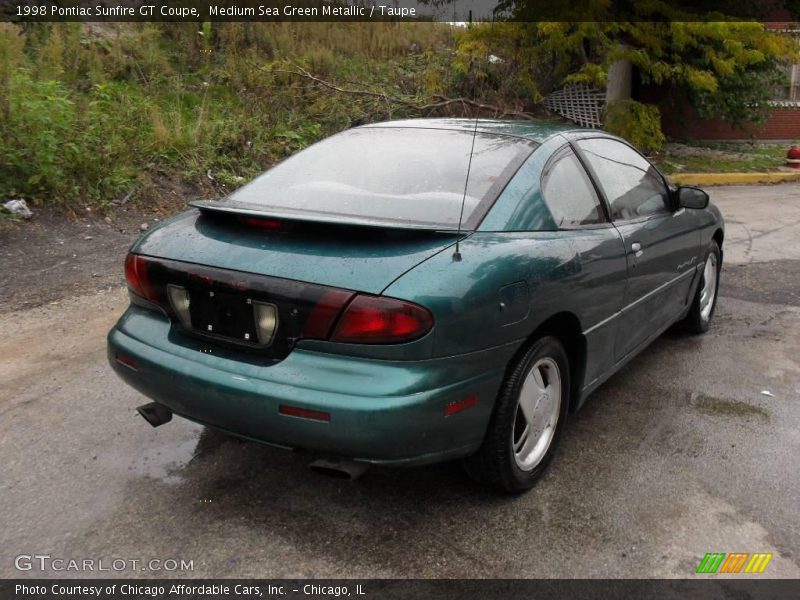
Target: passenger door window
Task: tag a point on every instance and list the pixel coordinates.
(633, 187)
(569, 192)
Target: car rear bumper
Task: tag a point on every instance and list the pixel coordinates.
(390, 412)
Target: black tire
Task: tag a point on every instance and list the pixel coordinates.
(696, 321)
(495, 463)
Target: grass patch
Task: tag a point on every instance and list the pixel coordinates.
(722, 157)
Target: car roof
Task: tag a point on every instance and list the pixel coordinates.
(536, 130)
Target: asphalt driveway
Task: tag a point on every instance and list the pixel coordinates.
(692, 448)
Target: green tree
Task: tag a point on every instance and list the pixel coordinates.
(726, 69)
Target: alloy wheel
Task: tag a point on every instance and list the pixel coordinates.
(537, 414)
(709, 292)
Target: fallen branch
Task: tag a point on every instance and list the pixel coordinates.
(440, 101)
(499, 111)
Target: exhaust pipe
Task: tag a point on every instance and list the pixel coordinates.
(339, 468)
(156, 414)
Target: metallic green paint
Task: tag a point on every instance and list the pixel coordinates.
(517, 274)
(367, 263)
(521, 206)
(381, 411)
(465, 297)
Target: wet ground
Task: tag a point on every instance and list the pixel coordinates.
(692, 448)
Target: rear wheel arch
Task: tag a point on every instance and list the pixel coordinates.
(559, 341)
(566, 327)
(718, 237)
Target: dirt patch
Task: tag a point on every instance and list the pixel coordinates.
(36, 343)
(67, 251)
(56, 255)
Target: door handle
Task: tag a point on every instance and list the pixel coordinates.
(636, 248)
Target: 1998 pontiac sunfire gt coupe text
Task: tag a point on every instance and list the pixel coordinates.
(416, 291)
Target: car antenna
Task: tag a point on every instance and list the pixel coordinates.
(457, 253)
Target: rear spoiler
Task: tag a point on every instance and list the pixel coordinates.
(243, 209)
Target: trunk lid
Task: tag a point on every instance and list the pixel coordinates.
(259, 287)
(356, 257)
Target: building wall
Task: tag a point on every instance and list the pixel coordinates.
(782, 124)
(679, 121)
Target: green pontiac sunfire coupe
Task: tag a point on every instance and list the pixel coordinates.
(417, 291)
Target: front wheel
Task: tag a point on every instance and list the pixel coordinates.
(528, 419)
(705, 300)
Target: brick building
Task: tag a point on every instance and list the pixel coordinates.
(680, 122)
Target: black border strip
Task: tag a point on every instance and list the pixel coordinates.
(369, 589)
(784, 13)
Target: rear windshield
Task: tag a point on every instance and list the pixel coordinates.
(391, 174)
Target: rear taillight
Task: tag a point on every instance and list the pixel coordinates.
(323, 315)
(137, 277)
(379, 320)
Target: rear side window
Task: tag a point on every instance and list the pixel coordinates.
(632, 185)
(569, 193)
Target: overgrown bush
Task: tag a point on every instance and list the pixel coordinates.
(638, 123)
(94, 112)
(37, 136)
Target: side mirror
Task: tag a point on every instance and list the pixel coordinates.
(692, 197)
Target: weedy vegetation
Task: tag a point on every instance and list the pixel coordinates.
(92, 114)
(95, 114)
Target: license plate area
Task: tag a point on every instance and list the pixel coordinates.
(285, 308)
(227, 316)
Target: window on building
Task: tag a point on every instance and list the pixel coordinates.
(790, 92)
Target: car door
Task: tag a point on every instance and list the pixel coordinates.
(595, 293)
(661, 244)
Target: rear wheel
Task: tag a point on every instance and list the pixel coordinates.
(705, 300)
(528, 419)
